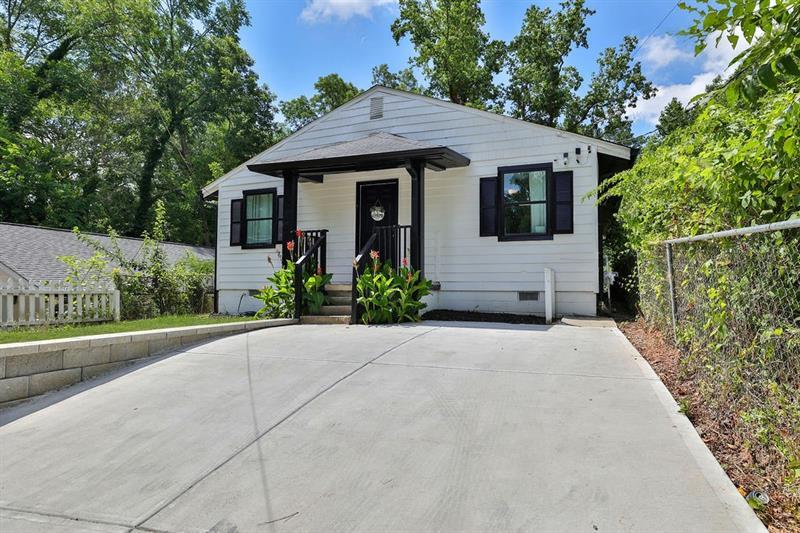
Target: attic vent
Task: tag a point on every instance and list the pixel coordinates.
(376, 107)
(528, 296)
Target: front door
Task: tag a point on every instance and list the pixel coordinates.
(376, 204)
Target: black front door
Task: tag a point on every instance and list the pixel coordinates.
(376, 203)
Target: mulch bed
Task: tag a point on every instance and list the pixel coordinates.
(748, 469)
(475, 316)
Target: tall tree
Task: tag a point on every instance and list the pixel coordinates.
(331, 92)
(544, 88)
(674, 116)
(186, 63)
(404, 79)
(455, 54)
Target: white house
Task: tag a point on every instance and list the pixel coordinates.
(484, 204)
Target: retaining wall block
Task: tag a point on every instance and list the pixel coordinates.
(33, 363)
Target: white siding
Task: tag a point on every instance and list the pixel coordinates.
(473, 271)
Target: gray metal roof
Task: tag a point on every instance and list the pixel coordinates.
(32, 252)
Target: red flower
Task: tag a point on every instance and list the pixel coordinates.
(298, 232)
(404, 262)
(375, 255)
(290, 245)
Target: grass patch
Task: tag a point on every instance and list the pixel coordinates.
(59, 332)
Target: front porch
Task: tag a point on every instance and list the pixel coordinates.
(357, 196)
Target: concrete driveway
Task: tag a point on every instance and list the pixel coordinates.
(430, 427)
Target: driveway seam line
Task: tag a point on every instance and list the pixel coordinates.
(293, 412)
(65, 517)
(506, 371)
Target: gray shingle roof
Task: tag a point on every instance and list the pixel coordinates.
(32, 252)
(375, 143)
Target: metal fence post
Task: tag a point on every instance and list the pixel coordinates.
(673, 305)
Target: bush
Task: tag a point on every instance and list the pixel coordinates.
(387, 296)
(149, 286)
(278, 296)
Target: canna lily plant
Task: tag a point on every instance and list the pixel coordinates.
(390, 296)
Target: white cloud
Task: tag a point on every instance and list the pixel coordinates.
(713, 61)
(324, 10)
(662, 50)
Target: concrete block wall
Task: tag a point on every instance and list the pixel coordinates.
(32, 368)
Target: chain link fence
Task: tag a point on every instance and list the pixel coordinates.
(731, 303)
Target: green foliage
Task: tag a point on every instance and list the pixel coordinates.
(738, 301)
(544, 88)
(456, 56)
(278, 295)
(771, 31)
(108, 105)
(387, 296)
(149, 286)
(404, 79)
(331, 92)
(674, 116)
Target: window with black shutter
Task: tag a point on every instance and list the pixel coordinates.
(562, 202)
(236, 222)
(488, 207)
(259, 218)
(525, 199)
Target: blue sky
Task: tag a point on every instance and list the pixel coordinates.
(294, 42)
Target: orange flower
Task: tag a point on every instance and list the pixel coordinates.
(290, 245)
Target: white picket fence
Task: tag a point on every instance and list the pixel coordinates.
(38, 303)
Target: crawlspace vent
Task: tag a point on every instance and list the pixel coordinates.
(528, 296)
(376, 107)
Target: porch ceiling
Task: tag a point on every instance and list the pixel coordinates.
(374, 152)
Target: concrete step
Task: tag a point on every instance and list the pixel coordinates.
(338, 287)
(325, 319)
(335, 310)
(339, 300)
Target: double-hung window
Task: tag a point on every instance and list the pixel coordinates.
(524, 200)
(259, 222)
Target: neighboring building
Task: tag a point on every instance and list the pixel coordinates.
(489, 202)
(31, 253)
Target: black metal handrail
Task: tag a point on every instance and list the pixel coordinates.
(394, 242)
(310, 245)
(358, 263)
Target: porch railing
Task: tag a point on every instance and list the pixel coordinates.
(312, 254)
(393, 243)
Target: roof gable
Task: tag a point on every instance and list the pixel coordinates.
(356, 121)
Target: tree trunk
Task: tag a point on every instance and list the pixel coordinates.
(155, 151)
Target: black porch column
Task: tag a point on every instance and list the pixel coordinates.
(416, 169)
(289, 210)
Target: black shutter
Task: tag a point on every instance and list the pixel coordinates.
(236, 222)
(562, 202)
(488, 207)
(278, 237)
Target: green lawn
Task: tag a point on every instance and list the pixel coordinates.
(60, 332)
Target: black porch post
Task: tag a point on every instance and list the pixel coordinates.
(416, 169)
(289, 210)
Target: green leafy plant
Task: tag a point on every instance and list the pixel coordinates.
(388, 296)
(149, 286)
(278, 295)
